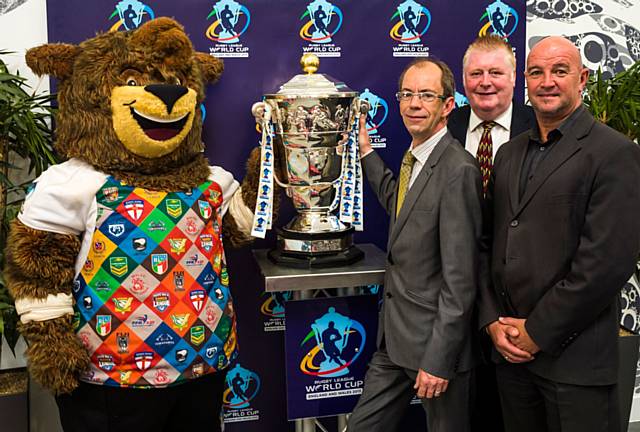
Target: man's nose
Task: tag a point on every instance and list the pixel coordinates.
(548, 80)
(486, 79)
(415, 101)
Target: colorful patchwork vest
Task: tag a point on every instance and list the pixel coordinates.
(153, 307)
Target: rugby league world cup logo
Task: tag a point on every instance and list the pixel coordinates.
(227, 28)
(242, 387)
(414, 21)
(324, 18)
(130, 14)
(339, 342)
(501, 19)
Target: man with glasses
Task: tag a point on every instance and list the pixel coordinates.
(563, 203)
(431, 273)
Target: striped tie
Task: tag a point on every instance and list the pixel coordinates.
(485, 154)
(405, 175)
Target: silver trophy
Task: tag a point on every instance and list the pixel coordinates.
(313, 121)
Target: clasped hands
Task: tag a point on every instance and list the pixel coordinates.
(511, 339)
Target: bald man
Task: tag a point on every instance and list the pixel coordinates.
(563, 225)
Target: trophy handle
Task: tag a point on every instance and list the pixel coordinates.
(262, 113)
(259, 111)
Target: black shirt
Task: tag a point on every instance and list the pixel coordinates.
(538, 150)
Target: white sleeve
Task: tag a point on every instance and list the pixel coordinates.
(62, 198)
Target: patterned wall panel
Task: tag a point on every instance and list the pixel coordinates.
(606, 32)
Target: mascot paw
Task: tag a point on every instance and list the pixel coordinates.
(56, 356)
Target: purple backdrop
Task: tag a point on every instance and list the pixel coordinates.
(373, 45)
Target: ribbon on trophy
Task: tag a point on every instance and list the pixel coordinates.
(262, 215)
(351, 182)
(358, 208)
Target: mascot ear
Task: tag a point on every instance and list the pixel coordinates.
(211, 67)
(53, 59)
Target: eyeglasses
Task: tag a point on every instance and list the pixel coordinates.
(424, 96)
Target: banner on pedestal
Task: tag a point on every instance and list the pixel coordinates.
(328, 345)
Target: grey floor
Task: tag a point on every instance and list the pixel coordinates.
(634, 427)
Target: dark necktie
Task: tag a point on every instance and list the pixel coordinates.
(485, 154)
(405, 175)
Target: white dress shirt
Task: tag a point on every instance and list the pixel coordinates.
(500, 134)
(422, 151)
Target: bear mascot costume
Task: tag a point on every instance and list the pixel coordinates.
(116, 261)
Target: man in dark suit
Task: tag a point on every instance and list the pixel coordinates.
(563, 206)
(431, 272)
(489, 76)
(491, 119)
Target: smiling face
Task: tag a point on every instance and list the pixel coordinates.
(129, 102)
(424, 119)
(555, 79)
(489, 79)
(152, 120)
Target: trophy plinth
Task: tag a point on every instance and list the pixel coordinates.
(315, 250)
(313, 119)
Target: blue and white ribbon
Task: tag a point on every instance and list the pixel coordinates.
(349, 177)
(262, 215)
(358, 205)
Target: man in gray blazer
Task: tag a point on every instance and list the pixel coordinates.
(431, 273)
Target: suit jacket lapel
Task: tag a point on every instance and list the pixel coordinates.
(564, 149)
(459, 123)
(418, 185)
(514, 174)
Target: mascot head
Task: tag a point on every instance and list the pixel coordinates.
(129, 101)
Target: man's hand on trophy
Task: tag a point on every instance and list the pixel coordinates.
(363, 136)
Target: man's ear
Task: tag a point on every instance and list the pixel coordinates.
(448, 105)
(53, 59)
(584, 78)
(210, 66)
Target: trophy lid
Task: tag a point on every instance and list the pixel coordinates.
(311, 84)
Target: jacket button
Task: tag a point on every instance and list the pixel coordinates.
(388, 295)
(514, 223)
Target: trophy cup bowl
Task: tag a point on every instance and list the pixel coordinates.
(313, 116)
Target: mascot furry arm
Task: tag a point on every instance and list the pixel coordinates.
(106, 84)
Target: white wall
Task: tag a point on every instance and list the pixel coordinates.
(23, 24)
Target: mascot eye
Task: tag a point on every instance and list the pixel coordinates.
(132, 82)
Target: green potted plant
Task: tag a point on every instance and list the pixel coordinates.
(25, 151)
(616, 103)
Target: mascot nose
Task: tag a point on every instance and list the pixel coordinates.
(167, 93)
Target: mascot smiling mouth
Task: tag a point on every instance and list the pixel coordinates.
(151, 121)
(157, 128)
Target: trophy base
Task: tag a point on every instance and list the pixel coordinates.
(320, 250)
